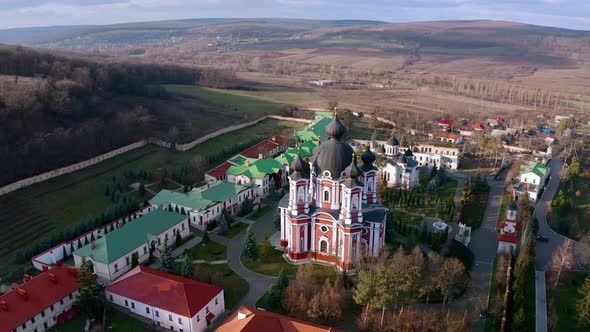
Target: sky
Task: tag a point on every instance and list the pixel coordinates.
(572, 14)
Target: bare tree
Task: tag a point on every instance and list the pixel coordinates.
(563, 260)
(451, 275)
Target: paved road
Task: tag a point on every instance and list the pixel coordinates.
(259, 283)
(484, 244)
(546, 249)
(541, 302)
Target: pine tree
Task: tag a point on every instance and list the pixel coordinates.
(246, 207)
(92, 237)
(423, 232)
(433, 188)
(166, 259)
(277, 220)
(266, 248)
(186, 269)
(250, 248)
(72, 249)
(433, 171)
(283, 280)
(583, 304)
(441, 176)
(223, 225)
(90, 290)
(134, 260)
(64, 252)
(178, 242)
(79, 244)
(183, 211)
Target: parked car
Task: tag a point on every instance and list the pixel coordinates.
(542, 238)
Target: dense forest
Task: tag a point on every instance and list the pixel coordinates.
(59, 109)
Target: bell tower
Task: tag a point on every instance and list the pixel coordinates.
(298, 187)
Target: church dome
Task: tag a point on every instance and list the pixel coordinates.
(409, 153)
(393, 141)
(333, 155)
(352, 171)
(368, 156)
(335, 129)
(298, 165)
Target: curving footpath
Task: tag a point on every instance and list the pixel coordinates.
(259, 283)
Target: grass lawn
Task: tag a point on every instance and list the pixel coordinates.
(235, 229)
(404, 217)
(116, 321)
(52, 205)
(564, 300)
(230, 99)
(274, 264)
(234, 287)
(447, 192)
(260, 213)
(209, 251)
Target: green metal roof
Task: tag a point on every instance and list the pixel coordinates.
(222, 191)
(257, 169)
(237, 170)
(315, 131)
(286, 158)
(122, 241)
(534, 167)
(239, 160)
(325, 114)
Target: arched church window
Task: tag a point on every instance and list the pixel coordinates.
(355, 204)
(370, 184)
(324, 246)
(326, 195)
(300, 194)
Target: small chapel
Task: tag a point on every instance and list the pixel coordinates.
(399, 170)
(330, 214)
(508, 239)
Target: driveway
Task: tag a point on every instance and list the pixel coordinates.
(484, 244)
(545, 250)
(259, 283)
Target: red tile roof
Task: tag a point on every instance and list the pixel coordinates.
(280, 139)
(478, 126)
(36, 295)
(508, 237)
(248, 319)
(182, 296)
(262, 147)
(444, 122)
(220, 170)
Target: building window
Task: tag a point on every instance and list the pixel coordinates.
(324, 228)
(159, 241)
(145, 250)
(51, 307)
(132, 305)
(324, 246)
(33, 320)
(126, 303)
(215, 301)
(147, 310)
(326, 195)
(127, 260)
(116, 268)
(43, 313)
(198, 318)
(157, 313)
(111, 298)
(45, 325)
(207, 309)
(170, 317)
(182, 226)
(61, 301)
(179, 320)
(24, 325)
(166, 237)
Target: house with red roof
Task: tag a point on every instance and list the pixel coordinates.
(40, 302)
(508, 239)
(169, 301)
(478, 127)
(445, 123)
(248, 319)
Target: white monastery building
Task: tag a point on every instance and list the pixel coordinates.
(169, 301)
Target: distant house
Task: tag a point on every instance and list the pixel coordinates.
(558, 118)
(445, 123)
(167, 300)
(532, 180)
(322, 82)
(498, 133)
(41, 302)
(466, 131)
(446, 137)
(111, 255)
(478, 127)
(248, 319)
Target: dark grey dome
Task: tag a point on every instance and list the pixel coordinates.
(393, 141)
(401, 160)
(352, 171)
(335, 129)
(333, 156)
(298, 165)
(368, 156)
(409, 153)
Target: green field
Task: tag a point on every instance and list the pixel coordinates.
(235, 229)
(274, 264)
(360, 42)
(48, 207)
(116, 321)
(234, 287)
(208, 250)
(564, 299)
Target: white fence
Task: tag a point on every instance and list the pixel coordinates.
(92, 161)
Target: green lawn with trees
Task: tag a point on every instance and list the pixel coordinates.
(51, 206)
(564, 299)
(234, 287)
(208, 250)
